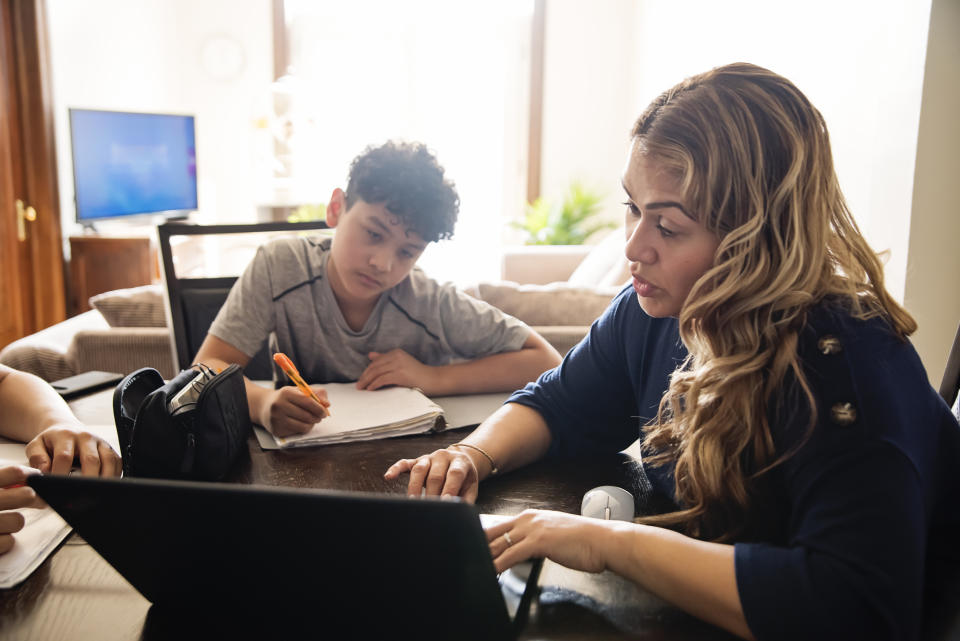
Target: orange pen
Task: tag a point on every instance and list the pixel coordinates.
(290, 370)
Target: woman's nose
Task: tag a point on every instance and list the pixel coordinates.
(638, 248)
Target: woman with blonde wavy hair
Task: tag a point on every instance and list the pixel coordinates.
(813, 473)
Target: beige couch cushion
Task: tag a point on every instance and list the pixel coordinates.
(134, 307)
(605, 265)
(553, 304)
(44, 353)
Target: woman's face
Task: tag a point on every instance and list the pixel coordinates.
(668, 250)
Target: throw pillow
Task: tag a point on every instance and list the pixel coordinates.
(134, 307)
(553, 304)
(605, 265)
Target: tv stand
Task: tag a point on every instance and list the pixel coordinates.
(89, 228)
(103, 263)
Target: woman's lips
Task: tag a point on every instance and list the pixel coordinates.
(642, 287)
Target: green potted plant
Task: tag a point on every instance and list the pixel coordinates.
(309, 212)
(569, 222)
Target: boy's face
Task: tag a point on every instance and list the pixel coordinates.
(372, 250)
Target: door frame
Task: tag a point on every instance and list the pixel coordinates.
(28, 172)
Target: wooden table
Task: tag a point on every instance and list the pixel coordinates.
(77, 595)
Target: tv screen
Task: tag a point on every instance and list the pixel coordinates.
(126, 164)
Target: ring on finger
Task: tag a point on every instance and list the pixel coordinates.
(506, 537)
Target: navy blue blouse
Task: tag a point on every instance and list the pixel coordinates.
(853, 519)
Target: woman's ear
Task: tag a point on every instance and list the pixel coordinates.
(336, 207)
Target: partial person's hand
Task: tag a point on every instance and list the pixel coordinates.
(13, 497)
(443, 472)
(54, 450)
(289, 411)
(576, 542)
(396, 367)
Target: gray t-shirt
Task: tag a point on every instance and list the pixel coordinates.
(285, 291)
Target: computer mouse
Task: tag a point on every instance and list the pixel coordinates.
(608, 502)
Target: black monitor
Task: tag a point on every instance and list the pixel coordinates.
(129, 164)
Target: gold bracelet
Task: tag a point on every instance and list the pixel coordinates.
(493, 466)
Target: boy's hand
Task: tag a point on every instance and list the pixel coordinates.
(289, 411)
(396, 367)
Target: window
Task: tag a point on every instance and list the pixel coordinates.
(454, 76)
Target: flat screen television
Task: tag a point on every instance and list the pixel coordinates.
(129, 164)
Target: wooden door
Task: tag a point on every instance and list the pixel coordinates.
(31, 254)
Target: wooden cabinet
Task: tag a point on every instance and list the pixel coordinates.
(100, 264)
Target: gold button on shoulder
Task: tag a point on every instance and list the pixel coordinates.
(843, 414)
(829, 344)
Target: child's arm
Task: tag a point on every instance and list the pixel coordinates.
(502, 372)
(32, 412)
(284, 411)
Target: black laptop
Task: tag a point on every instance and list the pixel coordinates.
(261, 559)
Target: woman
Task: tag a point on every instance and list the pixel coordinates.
(781, 408)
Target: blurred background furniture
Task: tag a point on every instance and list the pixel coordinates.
(130, 328)
(101, 264)
(950, 383)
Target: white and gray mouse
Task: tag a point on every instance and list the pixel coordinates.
(608, 502)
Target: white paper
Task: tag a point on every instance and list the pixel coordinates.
(44, 529)
(43, 532)
(359, 415)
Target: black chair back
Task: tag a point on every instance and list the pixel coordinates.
(950, 384)
(193, 302)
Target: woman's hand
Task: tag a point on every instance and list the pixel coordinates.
(576, 542)
(396, 367)
(289, 411)
(446, 472)
(54, 450)
(12, 498)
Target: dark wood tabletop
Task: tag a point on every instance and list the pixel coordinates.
(75, 594)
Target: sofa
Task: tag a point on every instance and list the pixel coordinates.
(557, 291)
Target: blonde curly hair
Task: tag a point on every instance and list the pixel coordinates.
(753, 159)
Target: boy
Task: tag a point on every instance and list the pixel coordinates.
(356, 308)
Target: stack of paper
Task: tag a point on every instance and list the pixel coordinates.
(364, 415)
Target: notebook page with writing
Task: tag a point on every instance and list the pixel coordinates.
(365, 415)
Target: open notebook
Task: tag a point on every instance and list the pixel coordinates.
(364, 415)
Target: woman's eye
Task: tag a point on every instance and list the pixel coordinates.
(406, 254)
(631, 208)
(666, 233)
(373, 235)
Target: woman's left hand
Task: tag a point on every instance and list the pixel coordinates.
(576, 542)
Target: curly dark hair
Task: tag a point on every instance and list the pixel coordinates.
(409, 181)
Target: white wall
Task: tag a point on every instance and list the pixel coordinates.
(589, 86)
(168, 56)
(861, 62)
(933, 264)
